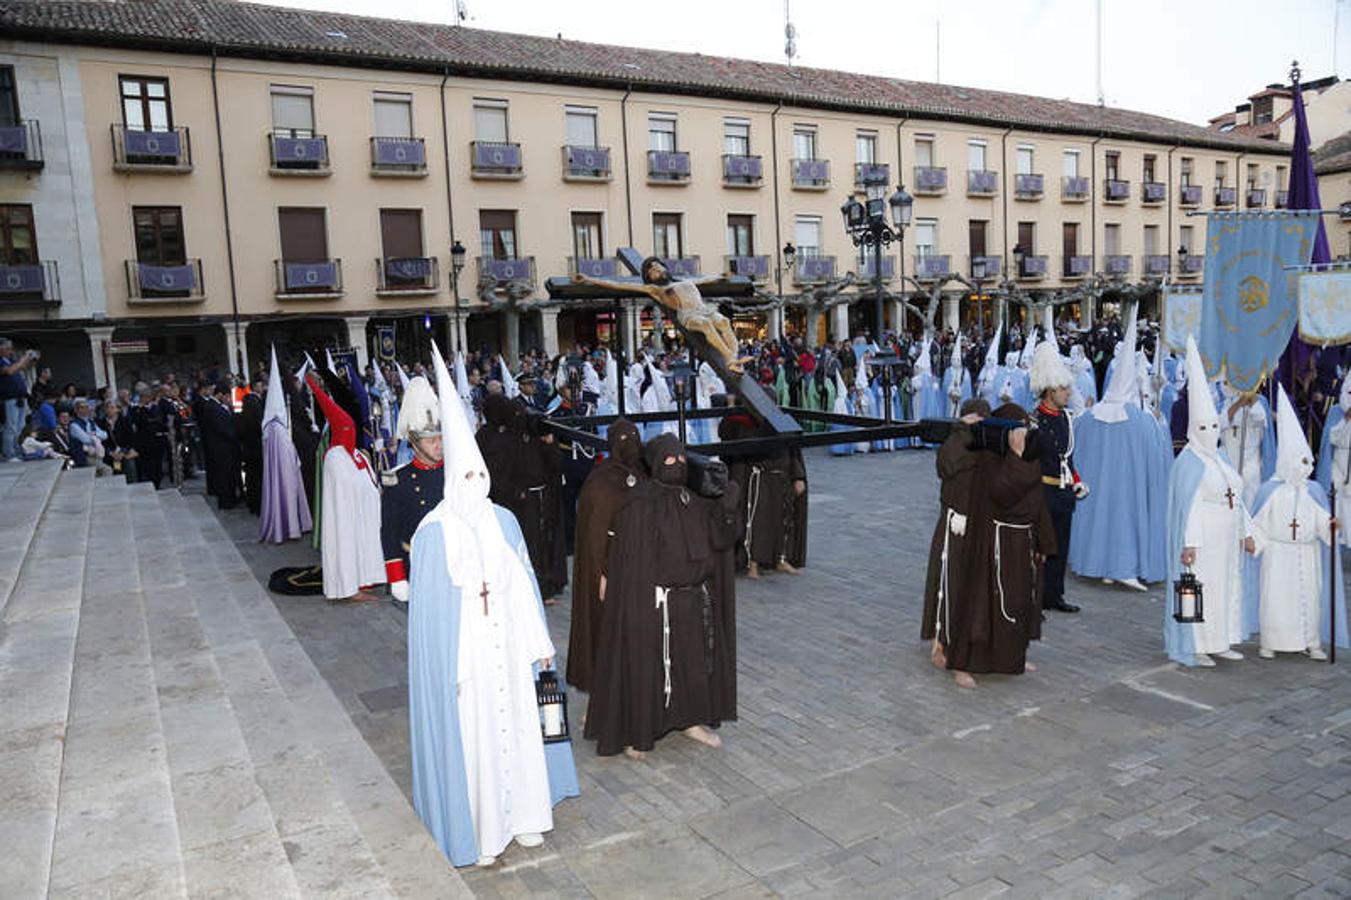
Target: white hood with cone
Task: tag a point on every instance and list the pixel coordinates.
(509, 385)
(841, 395)
(1203, 422)
(922, 363)
(1029, 348)
(1122, 388)
(1294, 459)
(275, 406)
(403, 377)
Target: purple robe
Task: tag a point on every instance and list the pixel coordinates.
(285, 514)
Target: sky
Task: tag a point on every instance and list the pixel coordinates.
(1185, 59)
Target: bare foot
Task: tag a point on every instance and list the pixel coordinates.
(785, 566)
(550, 601)
(1029, 667)
(753, 570)
(359, 597)
(937, 656)
(964, 679)
(702, 735)
(635, 755)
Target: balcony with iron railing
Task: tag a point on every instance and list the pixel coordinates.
(586, 163)
(399, 157)
(501, 272)
(867, 267)
(1116, 264)
(167, 152)
(756, 268)
(813, 269)
(1226, 196)
(1033, 268)
(1115, 190)
(1073, 188)
(403, 276)
(985, 268)
(742, 171)
(593, 267)
(1153, 193)
(668, 167)
(1257, 198)
(294, 153)
(30, 284)
(1191, 265)
(982, 182)
(811, 174)
(871, 173)
(308, 279)
(1282, 199)
(931, 180)
(1189, 195)
(931, 266)
(683, 266)
(1157, 263)
(495, 161)
(21, 146)
(1028, 186)
(1077, 266)
(173, 283)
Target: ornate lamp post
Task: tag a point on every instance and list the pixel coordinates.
(457, 254)
(867, 226)
(978, 275)
(785, 264)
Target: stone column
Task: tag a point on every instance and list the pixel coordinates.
(236, 349)
(774, 323)
(548, 331)
(356, 338)
(951, 313)
(460, 338)
(898, 315)
(627, 328)
(839, 322)
(511, 335)
(105, 371)
(1086, 313)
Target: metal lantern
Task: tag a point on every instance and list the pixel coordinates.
(1188, 605)
(552, 699)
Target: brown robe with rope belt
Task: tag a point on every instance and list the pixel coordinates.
(956, 464)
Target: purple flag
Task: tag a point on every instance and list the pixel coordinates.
(1303, 194)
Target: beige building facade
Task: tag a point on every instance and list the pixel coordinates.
(311, 199)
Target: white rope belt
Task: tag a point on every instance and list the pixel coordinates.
(999, 566)
(943, 609)
(752, 504)
(665, 607)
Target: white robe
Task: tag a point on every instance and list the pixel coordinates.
(349, 540)
(1217, 533)
(1231, 437)
(1340, 440)
(1292, 569)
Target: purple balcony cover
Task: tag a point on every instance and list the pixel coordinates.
(668, 163)
(809, 170)
(1029, 184)
(588, 159)
(749, 167)
(1034, 265)
(508, 269)
(288, 149)
(1118, 265)
(815, 268)
(869, 267)
(166, 278)
(1154, 192)
(1156, 264)
(152, 143)
(400, 152)
(496, 156)
(597, 268)
(752, 266)
(1118, 190)
(931, 266)
(684, 267)
(1076, 186)
(929, 178)
(316, 276)
(984, 182)
(13, 139)
(1194, 263)
(409, 268)
(21, 279)
(873, 173)
(1225, 196)
(1191, 194)
(1079, 265)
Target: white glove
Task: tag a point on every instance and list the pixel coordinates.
(957, 524)
(400, 591)
(1080, 490)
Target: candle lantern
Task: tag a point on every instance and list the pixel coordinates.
(1187, 599)
(552, 699)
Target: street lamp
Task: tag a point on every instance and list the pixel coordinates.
(979, 268)
(867, 226)
(1182, 254)
(785, 263)
(457, 254)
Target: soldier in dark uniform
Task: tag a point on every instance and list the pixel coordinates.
(1060, 482)
(411, 491)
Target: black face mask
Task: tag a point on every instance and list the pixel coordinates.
(674, 474)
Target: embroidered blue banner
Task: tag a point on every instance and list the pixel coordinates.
(1325, 307)
(386, 342)
(1250, 291)
(1181, 315)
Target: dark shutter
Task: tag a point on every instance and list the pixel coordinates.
(303, 237)
(401, 232)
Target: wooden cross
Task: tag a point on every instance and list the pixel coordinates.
(1229, 495)
(484, 594)
(1294, 528)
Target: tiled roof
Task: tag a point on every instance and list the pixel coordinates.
(251, 30)
(1334, 155)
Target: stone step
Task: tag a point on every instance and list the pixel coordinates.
(116, 833)
(25, 489)
(37, 652)
(346, 821)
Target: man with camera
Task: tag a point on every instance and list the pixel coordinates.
(13, 390)
(1051, 380)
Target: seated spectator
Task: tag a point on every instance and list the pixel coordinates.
(33, 447)
(90, 436)
(60, 439)
(119, 447)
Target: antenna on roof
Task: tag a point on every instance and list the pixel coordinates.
(1098, 57)
(461, 12)
(938, 51)
(790, 35)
